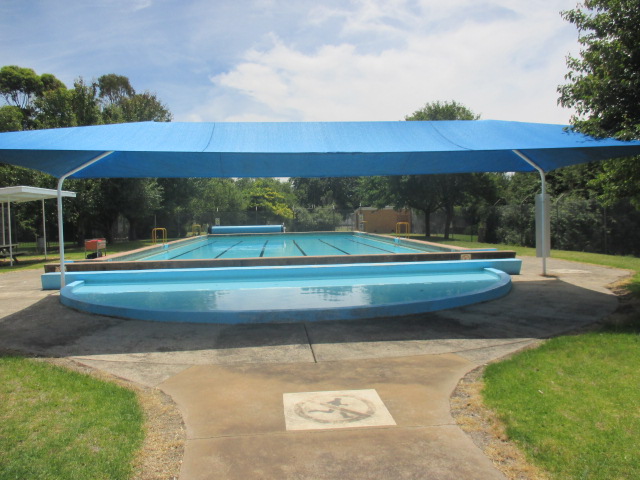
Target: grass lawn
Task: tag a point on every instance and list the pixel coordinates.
(573, 404)
(59, 424)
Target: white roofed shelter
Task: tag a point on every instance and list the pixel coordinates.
(21, 194)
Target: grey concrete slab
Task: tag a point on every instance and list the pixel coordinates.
(438, 453)
(228, 380)
(537, 307)
(236, 424)
(19, 290)
(246, 399)
(147, 374)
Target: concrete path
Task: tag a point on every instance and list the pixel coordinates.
(231, 382)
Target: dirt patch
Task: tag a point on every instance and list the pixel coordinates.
(161, 454)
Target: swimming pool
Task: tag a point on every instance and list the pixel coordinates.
(278, 249)
(256, 278)
(285, 294)
(289, 245)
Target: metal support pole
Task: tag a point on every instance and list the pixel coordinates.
(10, 237)
(543, 232)
(60, 222)
(4, 240)
(44, 230)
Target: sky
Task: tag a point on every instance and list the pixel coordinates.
(306, 60)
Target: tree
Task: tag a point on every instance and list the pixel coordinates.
(114, 88)
(270, 198)
(419, 192)
(436, 191)
(443, 111)
(85, 104)
(604, 85)
(42, 101)
(216, 198)
(55, 109)
(317, 192)
(11, 119)
(144, 107)
(19, 86)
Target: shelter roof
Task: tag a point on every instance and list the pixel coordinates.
(306, 149)
(27, 194)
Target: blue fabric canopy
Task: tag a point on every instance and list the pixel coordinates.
(309, 149)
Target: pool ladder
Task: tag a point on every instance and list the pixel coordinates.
(154, 235)
(403, 228)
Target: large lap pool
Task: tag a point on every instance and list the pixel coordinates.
(289, 245)
(279, 249)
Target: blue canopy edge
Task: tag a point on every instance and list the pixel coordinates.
(306, 149)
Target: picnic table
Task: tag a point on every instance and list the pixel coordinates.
(9, 251)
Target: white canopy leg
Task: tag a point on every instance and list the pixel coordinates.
(10, 236)
(44, 230)
(60, 222)
(543, 240)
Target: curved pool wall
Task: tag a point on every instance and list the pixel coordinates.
(51, 280)
(286, 294)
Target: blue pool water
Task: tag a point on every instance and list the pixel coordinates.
(287, 245)
(311, 290)
(285, 294)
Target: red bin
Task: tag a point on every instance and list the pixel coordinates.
(95, 244)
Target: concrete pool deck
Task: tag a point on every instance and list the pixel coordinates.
(228, 381)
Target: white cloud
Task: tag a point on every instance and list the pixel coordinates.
(503, 59)
(306, 60)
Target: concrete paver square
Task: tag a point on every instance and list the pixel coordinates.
(337, 409)
(429, 453)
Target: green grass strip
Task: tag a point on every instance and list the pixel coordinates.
(60, 424)
(573, 405)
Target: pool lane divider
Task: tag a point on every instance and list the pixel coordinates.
(333, 246)
(235, 244)
(372, 246)
(197, 247)
(300, 248)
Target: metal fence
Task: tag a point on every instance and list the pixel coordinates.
(576, 224)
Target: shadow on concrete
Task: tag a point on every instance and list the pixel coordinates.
(534, 309)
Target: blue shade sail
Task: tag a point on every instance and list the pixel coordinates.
(306, 149)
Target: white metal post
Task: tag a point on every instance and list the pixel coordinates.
(543, 229)
(44, 231)
(60, 222)
(4, 240)
(10, 237)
